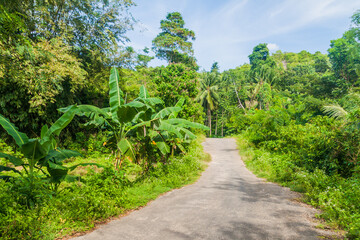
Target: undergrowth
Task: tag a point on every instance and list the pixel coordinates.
(336, 197)
(79, 205)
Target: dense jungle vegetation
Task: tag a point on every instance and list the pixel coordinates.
(89, 130)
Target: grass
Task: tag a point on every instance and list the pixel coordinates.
(101, 195)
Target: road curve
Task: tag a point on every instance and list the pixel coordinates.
(228, 202)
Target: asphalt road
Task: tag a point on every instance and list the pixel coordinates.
(228, 202)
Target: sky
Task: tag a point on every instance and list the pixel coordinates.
(227, 30)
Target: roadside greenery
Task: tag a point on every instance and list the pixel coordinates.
(298, 119)
(132, 128)
(99, 195)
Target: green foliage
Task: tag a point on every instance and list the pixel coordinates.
(337, 197)
(134, 125)
(177, 81)
(173, 44)
(259, 57)
(91, 24)
(344, 58)
(100, 195)
(35, 79)
(40, 153)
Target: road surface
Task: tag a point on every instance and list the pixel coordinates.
(227, 202)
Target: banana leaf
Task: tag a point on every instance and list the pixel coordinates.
(186, 123)
(163, 147)
(166, 112)
(33, 151)
(14, 160)
(143, 92)
(126, 114)
(126, 148)
(62, 122)
(44, 130)
(164, 126)
(59, 155)
(115, 93)
(19, 137)
(179, 104)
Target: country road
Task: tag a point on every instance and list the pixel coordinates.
(227, 202)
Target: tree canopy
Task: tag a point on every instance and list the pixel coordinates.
(174, 42)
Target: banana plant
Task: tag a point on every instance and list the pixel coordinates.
(139, 117)
(40, 153)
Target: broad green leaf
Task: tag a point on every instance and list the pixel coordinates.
(126, 114)
(179, 104)
(164, 126)
(44, 130)
(181, 147)
(187, 132)
(19, 137)
(53, 165)
(138, 116)
(57, 172)
(163, 147)
(126, 148)
(135, 104)
(152, 101)
(87, 109)
(33, 151)
(146, 123)
(143, 92)
(115, 93)
(14, 160)
(186, 123)
(167, 111)
(62, 122)
(59, 155)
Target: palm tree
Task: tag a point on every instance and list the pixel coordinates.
(347, 112)
(208, 96)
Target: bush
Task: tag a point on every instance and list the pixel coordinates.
(336, 196)
(79, 205)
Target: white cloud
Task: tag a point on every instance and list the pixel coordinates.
(273, 47)
(226, 31)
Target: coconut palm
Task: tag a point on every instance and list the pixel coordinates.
(208, 96)
(347, 111)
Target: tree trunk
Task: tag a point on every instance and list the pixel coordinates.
(222, 124)
(216, 124)
(237, 95)
(209, 119)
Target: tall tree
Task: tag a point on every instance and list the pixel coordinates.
(174, 42)
(90, 24)
(177, 81)
(215, 67)
(260, 57)
(208, 96)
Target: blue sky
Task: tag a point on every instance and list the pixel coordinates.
(227, 30)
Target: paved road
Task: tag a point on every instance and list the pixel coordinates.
(228, 202)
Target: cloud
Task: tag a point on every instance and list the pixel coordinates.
(226, 31)
(273, 47)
